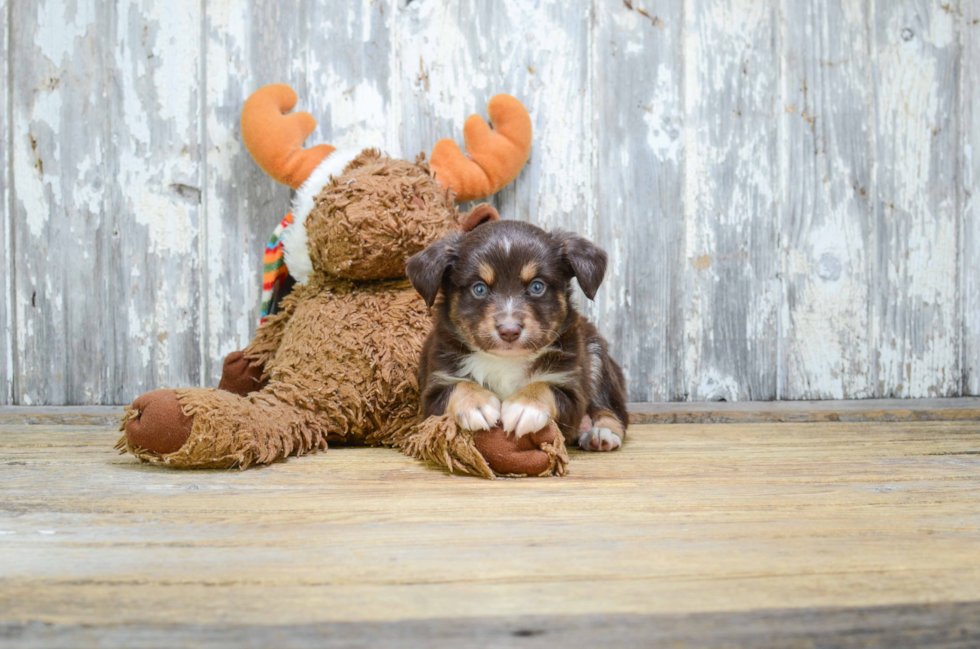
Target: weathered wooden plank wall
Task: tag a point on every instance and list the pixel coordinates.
(64, 323)
(731, 89)
(917, 336)
(786, 188)
(968, 185)
(6, 344)
(638, 131)
(826, 215)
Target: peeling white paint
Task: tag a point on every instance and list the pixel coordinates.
(731, 303)
(717, 386)
(32, 190)
(917, 338)
(176, 41)
(74, 20)
(87, 192)
(664, 135)
(168, 222)
(357, 113)
(429, 59)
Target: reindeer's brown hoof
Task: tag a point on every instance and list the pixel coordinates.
(160, 426)
(239, 376)
(508, 454)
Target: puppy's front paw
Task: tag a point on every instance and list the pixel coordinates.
(521, 416)
(599, 439)
(477, 410)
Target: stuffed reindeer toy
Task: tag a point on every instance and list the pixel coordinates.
(338, 362)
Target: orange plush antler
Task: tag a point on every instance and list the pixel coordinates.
(275, 139)
(493, 157)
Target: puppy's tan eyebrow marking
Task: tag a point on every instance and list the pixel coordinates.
(529, 271)
(486, 272)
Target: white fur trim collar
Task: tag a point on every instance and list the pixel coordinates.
(294, 240)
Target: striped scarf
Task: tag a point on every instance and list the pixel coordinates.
(274, 269)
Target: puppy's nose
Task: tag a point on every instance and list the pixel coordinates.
(509, 332)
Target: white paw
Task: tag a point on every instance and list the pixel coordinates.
(599, 439)
(521, 418)
(480, 417)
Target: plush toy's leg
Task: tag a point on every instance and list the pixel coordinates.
(242, 376)
(487, 453)
(206, 428)
(244, 371)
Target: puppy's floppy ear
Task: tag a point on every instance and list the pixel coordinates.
(482, 213)
(426, 269)
(587, 260)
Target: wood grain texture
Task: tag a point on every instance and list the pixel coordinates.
(714, 412)
(350, 68)
(149, 275)
(452, 58)
(64, 348)
(638, 128)
(916, 223)
(6, 250)
(731, 94)
(686, 519)
(61, 415)
(968, 22)
(827, 206)
(936, 626)
(677, 412)
(785, 188)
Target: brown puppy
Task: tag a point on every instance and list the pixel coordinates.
(508, 347)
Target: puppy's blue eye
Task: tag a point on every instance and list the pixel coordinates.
(536, 287)
(479, 289)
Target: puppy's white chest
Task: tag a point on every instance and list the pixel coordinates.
(501, 375)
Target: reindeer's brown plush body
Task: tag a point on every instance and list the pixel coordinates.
(339, 361)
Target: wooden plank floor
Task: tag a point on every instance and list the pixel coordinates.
(693, 534)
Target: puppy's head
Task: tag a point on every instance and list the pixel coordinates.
(507, 284)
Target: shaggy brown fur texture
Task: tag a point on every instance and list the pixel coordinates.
(339, 361)
(378, 214)
(487, 453)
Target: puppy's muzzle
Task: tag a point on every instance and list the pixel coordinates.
(509, 332)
